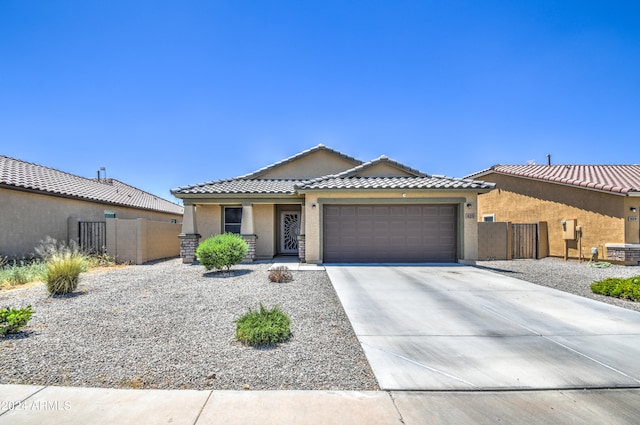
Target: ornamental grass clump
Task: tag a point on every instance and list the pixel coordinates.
(263, 327)
(222, 251)
(63, 266)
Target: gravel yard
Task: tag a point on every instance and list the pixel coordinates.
(171, 326)
(567, 276)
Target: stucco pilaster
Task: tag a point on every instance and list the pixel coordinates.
(470, 230)
(312, 229)
(189, 220)
(247, 225)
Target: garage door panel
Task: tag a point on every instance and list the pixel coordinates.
(390, 233)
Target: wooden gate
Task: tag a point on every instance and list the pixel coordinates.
(93, 236)
(525, 241)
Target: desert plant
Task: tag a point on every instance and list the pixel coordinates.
(64, 263)
(222, 251)
(101, 260)
(21, 273)
(280, 274)
(13, 319)
(628, 289)
(263, 327)
(63, 272)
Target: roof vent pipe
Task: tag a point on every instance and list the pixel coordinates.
(98, 175)
(548, 159)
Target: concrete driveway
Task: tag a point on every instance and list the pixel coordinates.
(461, 328)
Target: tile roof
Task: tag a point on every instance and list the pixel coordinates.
(426, 182)
(242, 185)
(251, 184)
(23, 175)
(623, 179)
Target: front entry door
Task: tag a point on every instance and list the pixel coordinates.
(289, 231)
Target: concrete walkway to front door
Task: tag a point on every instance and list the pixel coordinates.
(462, 328)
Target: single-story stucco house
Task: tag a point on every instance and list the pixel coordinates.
(325, 206)
(601, 200)
(38, 201)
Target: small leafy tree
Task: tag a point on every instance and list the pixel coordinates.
(222, 251)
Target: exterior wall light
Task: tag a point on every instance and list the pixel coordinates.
(469, 204)
(634, 209)
(313, 205)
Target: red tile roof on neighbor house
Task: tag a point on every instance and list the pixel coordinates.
(21, 175)
(621, 179)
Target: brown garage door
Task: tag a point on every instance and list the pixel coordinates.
(390, 233)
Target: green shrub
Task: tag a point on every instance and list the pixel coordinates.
(222, 251)
(280, 274)
(21, 273)
(628, 289)
(63, 266)
(13, 319)
(263, 327)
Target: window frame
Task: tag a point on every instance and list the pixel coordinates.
(237, 225)
(491, 216)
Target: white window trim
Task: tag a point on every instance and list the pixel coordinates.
(491, 216)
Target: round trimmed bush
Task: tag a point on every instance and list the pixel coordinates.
(222, 251)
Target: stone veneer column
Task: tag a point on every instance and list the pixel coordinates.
(189, 238)
(251, 241)
(188, 245)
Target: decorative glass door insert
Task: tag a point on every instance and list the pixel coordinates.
(289, 231)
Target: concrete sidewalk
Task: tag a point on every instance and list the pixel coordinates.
(25, 404)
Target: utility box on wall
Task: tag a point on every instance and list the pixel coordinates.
(569, 230)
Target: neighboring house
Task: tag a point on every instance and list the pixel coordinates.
(603, 199)
(37, 201)
(325, 206)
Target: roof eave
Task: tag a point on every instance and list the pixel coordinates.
(233, 195)
(85, 199)
(396, 189)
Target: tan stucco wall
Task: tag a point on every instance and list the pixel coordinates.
(209, 219)
(141, 240)
(317, 164)
(383, 170)
(467, 229)
(602, 216)
(632, 227)
(27, 218)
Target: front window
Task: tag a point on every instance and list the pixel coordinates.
(232, 219)
(488, 218)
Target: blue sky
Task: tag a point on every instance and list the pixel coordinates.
(170, 93)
